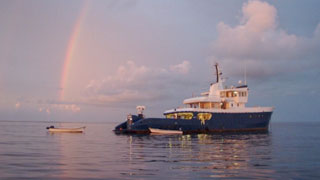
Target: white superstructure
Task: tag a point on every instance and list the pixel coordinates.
(220, 99)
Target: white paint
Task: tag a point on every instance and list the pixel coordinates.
(236, 100)
(231, 110)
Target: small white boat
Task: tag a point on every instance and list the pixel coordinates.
(163, 131)
(67, 130)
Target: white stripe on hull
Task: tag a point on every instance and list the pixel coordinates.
(69, 130)
(163, 131)
(231, 110)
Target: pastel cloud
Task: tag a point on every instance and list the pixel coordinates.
(48, 108)
(66, 107)
(259, 16)
(259, 42)
(133, 83)
(182, 68)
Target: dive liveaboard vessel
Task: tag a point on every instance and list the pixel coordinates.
(221, 109)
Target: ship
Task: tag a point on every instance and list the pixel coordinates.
(221, 109)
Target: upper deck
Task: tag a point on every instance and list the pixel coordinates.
(223, 99)
(218, 97)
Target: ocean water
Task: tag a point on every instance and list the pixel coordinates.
(28, 151)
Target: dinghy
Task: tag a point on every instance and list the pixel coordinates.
(66, 130)
(163, 131)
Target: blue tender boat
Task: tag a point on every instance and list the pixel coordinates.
(218, 110)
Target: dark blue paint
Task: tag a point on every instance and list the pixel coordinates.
(219, 122)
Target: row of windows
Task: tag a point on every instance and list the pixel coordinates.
(200, 116)
(205, 105)
(233, 94)
(242, 93)
(179, 116)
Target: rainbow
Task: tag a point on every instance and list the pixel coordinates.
(71, 50)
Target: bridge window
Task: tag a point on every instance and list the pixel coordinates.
(235, 94)
(232, 94)
(204, 116)
(185, 115)
(243, 94)
(171, 116)
(179, 116)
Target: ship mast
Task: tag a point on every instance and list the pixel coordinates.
(245, 74)
(217, 72)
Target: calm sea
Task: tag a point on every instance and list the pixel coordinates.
(28, 151)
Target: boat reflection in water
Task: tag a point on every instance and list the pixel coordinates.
(69, 149)
(205, 155)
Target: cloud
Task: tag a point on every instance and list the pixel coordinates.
(182, 68)
(65, 107)
(262, 45)
(49, 106)
(259, 16)
(128, 75)
(53, 106)
(133, 83)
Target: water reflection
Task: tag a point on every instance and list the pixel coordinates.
(223, 156)
(67, 146)
(27, 151)
(96, 154)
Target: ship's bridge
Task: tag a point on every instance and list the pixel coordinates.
(219, 97)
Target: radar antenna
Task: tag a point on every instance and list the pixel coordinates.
(140, 109)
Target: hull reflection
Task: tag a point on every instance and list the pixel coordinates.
(218, 156)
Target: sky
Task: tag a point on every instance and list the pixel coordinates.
(95, 61)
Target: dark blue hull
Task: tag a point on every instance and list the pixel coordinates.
(219, 122)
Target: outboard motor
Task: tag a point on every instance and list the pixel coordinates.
(49, 127)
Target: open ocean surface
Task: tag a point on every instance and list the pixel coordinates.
(28, 151)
